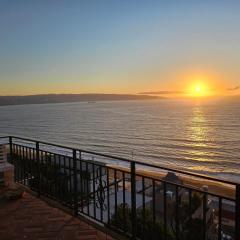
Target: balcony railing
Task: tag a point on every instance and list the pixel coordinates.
(137, 199)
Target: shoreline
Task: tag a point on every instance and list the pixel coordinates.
(72, 98)
(217, 188)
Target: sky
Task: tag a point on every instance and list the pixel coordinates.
(156, 47)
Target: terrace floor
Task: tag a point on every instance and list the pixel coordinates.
(31, 218)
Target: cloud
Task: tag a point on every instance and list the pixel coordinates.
(162, 92)
(234, 88)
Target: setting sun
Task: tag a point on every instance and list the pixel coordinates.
(200, 84)
(198, 89)
(205, 84)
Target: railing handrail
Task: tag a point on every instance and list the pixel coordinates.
(196, 175)
(4, 137)
(23, 152)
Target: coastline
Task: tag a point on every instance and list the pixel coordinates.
(71, 98)
(217, 188)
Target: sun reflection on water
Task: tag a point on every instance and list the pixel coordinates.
(199, 135)
(198, 127)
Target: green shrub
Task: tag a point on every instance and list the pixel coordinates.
(146, 227)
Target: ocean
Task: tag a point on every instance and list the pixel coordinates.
(201, 136)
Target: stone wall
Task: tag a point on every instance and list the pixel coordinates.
(7, 169)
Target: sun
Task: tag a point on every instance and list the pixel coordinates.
(203, 85)
(199, 90)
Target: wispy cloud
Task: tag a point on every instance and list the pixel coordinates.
(162, 92)
(234, 88)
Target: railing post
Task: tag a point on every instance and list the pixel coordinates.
(75, 195)
(133, 199)
(38, 169)
(10, 150)
(237, 212)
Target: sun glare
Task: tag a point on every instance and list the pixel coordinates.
(199, 85)
(199, 90)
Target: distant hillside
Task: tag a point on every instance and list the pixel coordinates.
(61, 98)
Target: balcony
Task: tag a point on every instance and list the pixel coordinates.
(32, 218)
(134, 199)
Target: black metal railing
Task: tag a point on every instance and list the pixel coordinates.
(137, 199)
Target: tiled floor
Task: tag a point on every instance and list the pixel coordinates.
(31, 218)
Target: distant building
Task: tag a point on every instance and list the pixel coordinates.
(172, 178)
(228, 217)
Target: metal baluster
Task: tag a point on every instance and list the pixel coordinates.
(71, 175)
(154, 199)
(21, 162)
(21, 177)
(35, 170)
(115, 193)
(102, 189)
(42, 173)
(26, 166)
(55, 175)
(108, 196)
(87, 195)
(25, 163)
(14, 163)
(220, 219)
(51, 193)
(124, 201)
(177, 213)
(59, 176)
(30, 164)
(133, 200)
(17, 164)
(29, 167)
(237, 212)
(165, 209)
(46, 172)
(204, 216)
(81, 181)
(38, 168)
(94, 190)
(10, 149)
(75, 182)
(143, 203)
(64, 179)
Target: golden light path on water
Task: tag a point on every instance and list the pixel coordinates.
(200, 134)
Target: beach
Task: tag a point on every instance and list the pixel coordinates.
(214, 187)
